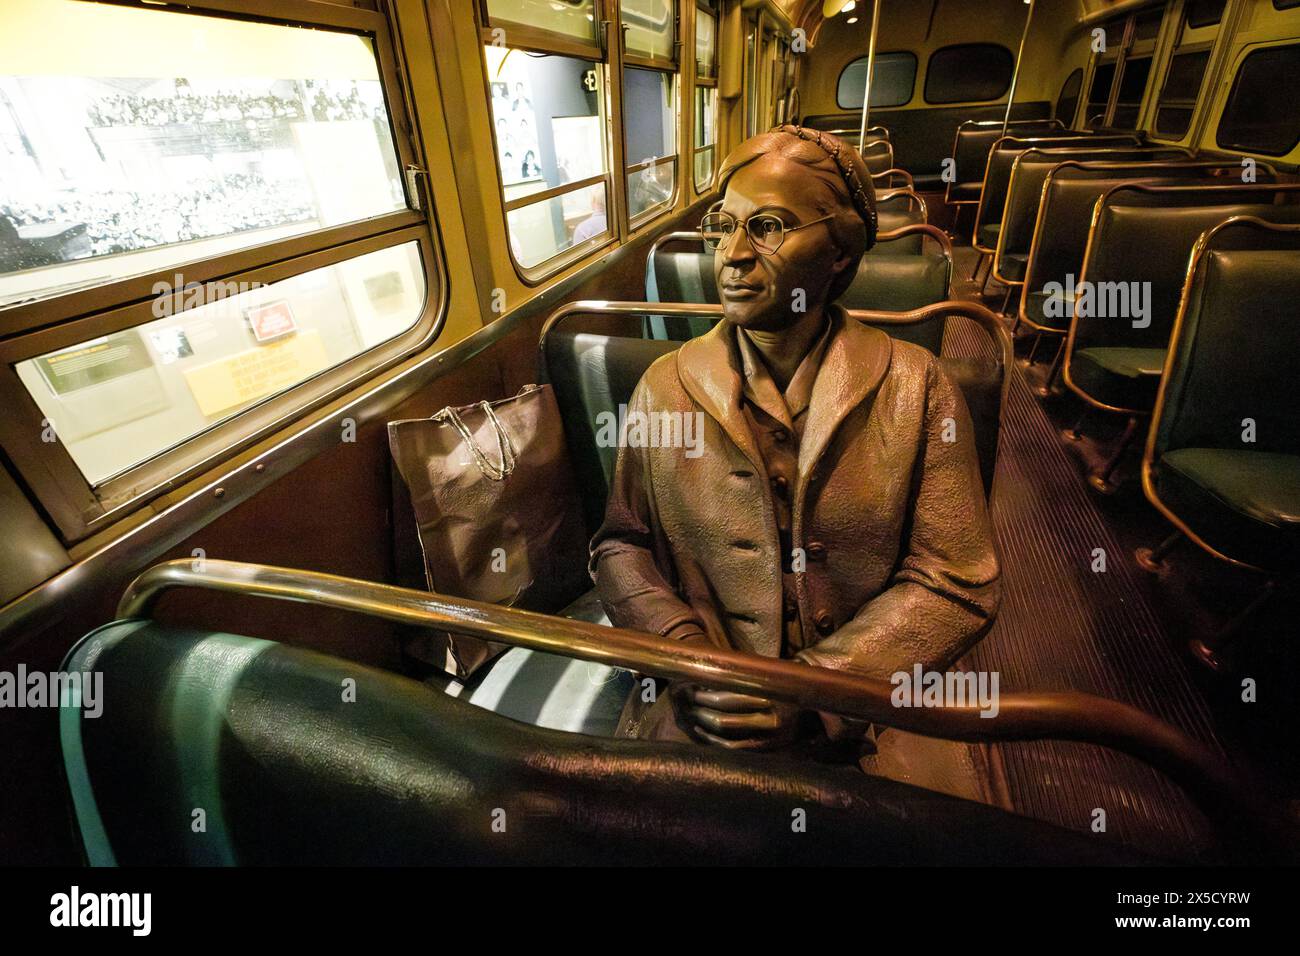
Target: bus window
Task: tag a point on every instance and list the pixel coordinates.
(149, 138)
(119, 399)
(550, 143)
(1132, 87)
(891, 82)
(706, 95)
(649, 106)
(1178, 98)
(968, 72)
(575, 19)
(650, 128)
(1256, 118)
(706, 104)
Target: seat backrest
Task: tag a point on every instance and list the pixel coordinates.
(1028, 172)
(1003, 154)
(404, 774)
(683, 274)
(1138, 250)
(901, 283)
(1235, 351)
(1069, 194)
(970, 148)
(878, 155)
(594, 374)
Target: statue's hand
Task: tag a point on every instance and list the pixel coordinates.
(735, 721)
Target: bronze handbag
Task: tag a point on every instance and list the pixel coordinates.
(498, 516)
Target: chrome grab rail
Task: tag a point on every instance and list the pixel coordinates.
(1059, 715)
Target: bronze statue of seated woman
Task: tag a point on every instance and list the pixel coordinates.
(836, 514)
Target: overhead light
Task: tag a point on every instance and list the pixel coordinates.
(853, 3)
(851, 20)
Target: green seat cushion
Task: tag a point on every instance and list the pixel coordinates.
(1244, 503)
(988, 235)
(1123, 377)
(1012, 266)
(965, 192)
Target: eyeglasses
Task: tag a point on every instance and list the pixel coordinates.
(766, 231)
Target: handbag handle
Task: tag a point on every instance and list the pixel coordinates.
(504, 446)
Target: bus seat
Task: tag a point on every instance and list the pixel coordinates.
(1070, 191)
(594, 374)
(1234, 358)
(1140, 241)
(1025, 190)
(1002, 156)
(269, 747)
(970, 151)
(552, 691)
(879, 156)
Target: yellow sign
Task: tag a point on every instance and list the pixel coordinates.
(247, 376)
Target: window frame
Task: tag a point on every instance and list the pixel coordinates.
(672, 67)
(911, 93)
(37, 327)
(670, 203)
(703, 187)
(929, 67)
(1244, 57)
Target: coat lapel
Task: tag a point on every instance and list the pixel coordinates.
(855, 364)
(706, 369)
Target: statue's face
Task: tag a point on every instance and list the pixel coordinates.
(759, 291)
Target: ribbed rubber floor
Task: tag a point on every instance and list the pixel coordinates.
(1064, 626)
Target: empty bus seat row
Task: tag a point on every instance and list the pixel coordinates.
(897, 276)
(997, 176)
(1019, 214)
(1223, 458)
(970, 152)
(1069, 193)
(1134, 271)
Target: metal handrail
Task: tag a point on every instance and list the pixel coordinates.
(885, 195)
(1058, 715)
(896, 171)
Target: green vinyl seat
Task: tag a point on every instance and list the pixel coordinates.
(1246, 502)
(1140, 241)
(1224, 457)
(1120, 377)
(287, 769)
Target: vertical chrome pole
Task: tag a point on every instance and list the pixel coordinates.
(871, 68)
(1015, 77)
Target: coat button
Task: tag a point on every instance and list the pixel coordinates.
(780, 485)
(816, 551)
(780, 434)
(825, 623)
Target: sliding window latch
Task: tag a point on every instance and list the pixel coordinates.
(414, 174)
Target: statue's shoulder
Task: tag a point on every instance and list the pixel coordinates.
(661, 381)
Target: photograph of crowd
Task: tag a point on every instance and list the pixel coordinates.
(129, 165)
